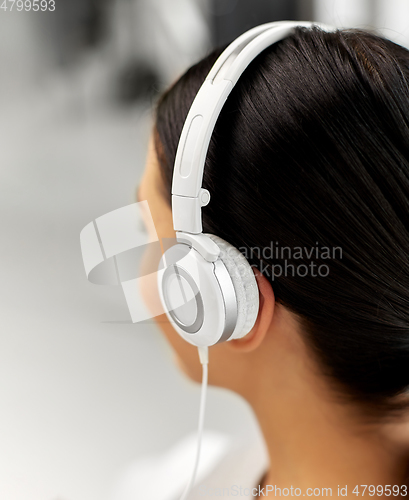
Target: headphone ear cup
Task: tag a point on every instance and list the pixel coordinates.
(244, 283)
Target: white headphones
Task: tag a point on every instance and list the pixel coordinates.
(209, 291)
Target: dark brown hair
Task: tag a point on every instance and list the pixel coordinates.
(311, 150)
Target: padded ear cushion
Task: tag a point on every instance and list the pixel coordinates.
(244, 283)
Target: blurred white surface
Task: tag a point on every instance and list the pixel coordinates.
(81, 395)
(389, 17)
(232, 466)
(83, 392)
(344, 13)
(392, 18)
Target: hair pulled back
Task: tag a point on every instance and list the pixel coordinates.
(311, 150)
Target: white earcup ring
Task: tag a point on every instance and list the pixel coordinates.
(245, 285)
(209, 302)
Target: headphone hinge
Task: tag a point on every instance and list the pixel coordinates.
(200, 242)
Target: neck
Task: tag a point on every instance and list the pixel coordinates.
(312, 449)
(314, 441)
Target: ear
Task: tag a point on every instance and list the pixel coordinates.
(265, 315)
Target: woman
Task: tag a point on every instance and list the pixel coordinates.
(308, 168)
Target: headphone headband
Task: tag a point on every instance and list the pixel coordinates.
(187, 194)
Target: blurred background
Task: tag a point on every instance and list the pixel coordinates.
(83, 392)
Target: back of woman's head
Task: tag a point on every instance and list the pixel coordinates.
(308, 169)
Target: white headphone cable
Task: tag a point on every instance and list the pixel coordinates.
(204, 360)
